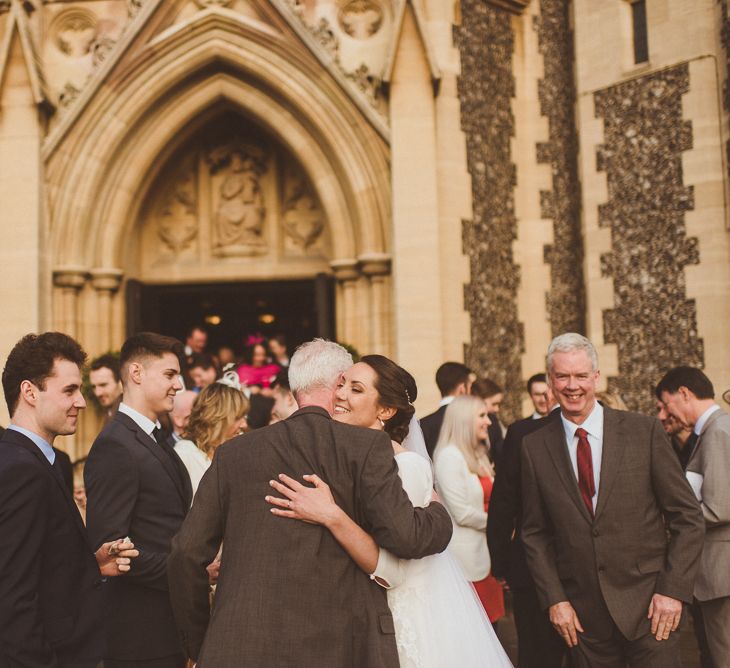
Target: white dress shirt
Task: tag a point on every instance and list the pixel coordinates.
(446, 401)
(144, 423)
(700, 424)
(594, 426)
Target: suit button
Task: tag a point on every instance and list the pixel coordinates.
(97, 584)
(595, 532)
(601, 569)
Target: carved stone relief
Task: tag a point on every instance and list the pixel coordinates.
(302, 217)
(74, 31)
(240, 211)
(230, 197)
(177, 224)
(213, 3)
(361, 19)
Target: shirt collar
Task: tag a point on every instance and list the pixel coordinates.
(446, 401)
(143, 421)
(593, 424)
(536, 416)
(700, 424)
(44, 446)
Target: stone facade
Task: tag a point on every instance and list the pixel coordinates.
(561, 204)
(486, 85)
(436, 160)
(653, 323)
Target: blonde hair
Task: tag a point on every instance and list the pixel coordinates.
(612, 400)
(215, 409)
(459, 429)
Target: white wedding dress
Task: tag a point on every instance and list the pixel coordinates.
(439, 621)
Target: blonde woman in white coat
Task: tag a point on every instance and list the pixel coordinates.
(460, 458)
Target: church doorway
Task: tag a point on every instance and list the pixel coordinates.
(297, 309)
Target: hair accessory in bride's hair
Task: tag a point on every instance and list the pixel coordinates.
(254, 340)
(408, 396)
(230, 378)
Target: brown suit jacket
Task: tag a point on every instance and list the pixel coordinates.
(288, 594)
(610, 567)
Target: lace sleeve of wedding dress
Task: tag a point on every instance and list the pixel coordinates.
(415, 473)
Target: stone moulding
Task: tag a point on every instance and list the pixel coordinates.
(514, 6)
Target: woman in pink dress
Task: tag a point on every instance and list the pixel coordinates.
(257, 371)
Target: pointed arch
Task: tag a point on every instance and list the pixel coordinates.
(98, 172)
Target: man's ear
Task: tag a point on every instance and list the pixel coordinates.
(460, 390)
(28, 392)
(135, 373)
(685, 393)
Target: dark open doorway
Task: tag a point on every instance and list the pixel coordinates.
(300, 310)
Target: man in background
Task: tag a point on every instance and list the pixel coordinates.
(284, 402)
(180, 414)
(203, 371)
(540, 395)
(106, 384)
(453, 379)
(688, 395)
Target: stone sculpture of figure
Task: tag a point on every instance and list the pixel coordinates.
(241, 212)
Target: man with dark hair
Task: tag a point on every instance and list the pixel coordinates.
(688, 395)
(453, 379)
(540, 395)
(106, 383)
(196, 339)
(136, 485)
(284, 402)
(203, 371)
(50, 587)
(538, 644)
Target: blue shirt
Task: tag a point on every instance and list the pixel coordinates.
(44, 446)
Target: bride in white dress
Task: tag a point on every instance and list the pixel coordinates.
(439, 621)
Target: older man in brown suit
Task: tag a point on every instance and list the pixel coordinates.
(599, 488)
(288, 594)
(688, 395)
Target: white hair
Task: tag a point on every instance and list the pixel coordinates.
(569, 342)
(317, 364)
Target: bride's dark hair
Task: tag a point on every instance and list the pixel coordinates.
(397, 389)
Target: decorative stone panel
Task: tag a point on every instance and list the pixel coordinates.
(562, 204)
(653, 323)
(486, 87)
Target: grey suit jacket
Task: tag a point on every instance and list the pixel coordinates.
(711, 459)
(609, 566)
(288, 594)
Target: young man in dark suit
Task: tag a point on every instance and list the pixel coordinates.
(288, 594)
(538, 644)
(602, 490)
(453, 379)
(137, 486)
(50, 578)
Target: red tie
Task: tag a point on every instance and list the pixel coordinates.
(586, 483)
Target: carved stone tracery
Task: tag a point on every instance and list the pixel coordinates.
(177, 226)
(361, 19)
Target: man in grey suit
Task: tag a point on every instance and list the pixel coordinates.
(688, 395)
(599, 487)
(288, 594)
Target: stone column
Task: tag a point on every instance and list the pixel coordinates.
(377, 268)
(346, 275)
(105, 282)
(68, 282)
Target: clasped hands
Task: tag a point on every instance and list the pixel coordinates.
(115, 557)
(665, 613)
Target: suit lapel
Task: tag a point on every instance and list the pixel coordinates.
(556, 445)
(156, 449)
(25, 442)
(614, 442)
